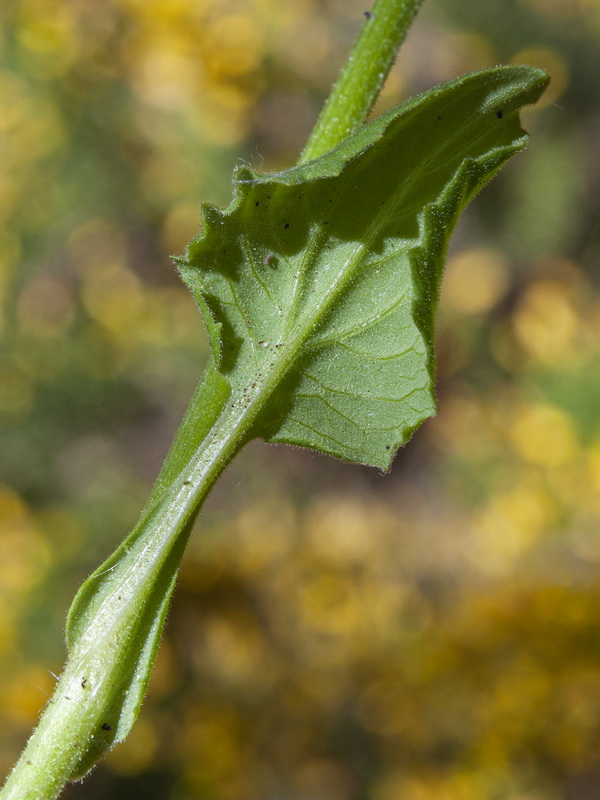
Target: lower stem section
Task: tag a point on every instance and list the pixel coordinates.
(117, 617)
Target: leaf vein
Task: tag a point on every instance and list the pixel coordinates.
(318, 432)
(250, 258)
(360, 328)
(345, 393)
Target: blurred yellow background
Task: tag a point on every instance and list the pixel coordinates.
(433, 634)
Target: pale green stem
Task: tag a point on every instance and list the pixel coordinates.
(84, 716)
(90, 710)
(362, 76)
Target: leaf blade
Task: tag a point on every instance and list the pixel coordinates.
(319, 283)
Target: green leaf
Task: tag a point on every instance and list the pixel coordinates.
(318, 285)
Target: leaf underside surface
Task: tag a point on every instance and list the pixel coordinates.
(318, 285)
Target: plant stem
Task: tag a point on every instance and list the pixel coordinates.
(98, 694)
(362, 76)
(123, 605)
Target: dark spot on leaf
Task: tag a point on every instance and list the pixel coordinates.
(287, 225)
(83, 682)
(186, 483)
(106, 726)
(387, 447)
(440, 119)
(499, 114)
(257, 203)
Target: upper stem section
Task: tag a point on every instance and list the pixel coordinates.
(360, 80)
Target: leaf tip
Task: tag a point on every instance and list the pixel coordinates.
(520, 85)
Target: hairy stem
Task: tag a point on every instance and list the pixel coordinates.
(362, 76)
(117, 617)
(115, 624)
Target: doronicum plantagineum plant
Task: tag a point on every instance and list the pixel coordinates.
(318, 287)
